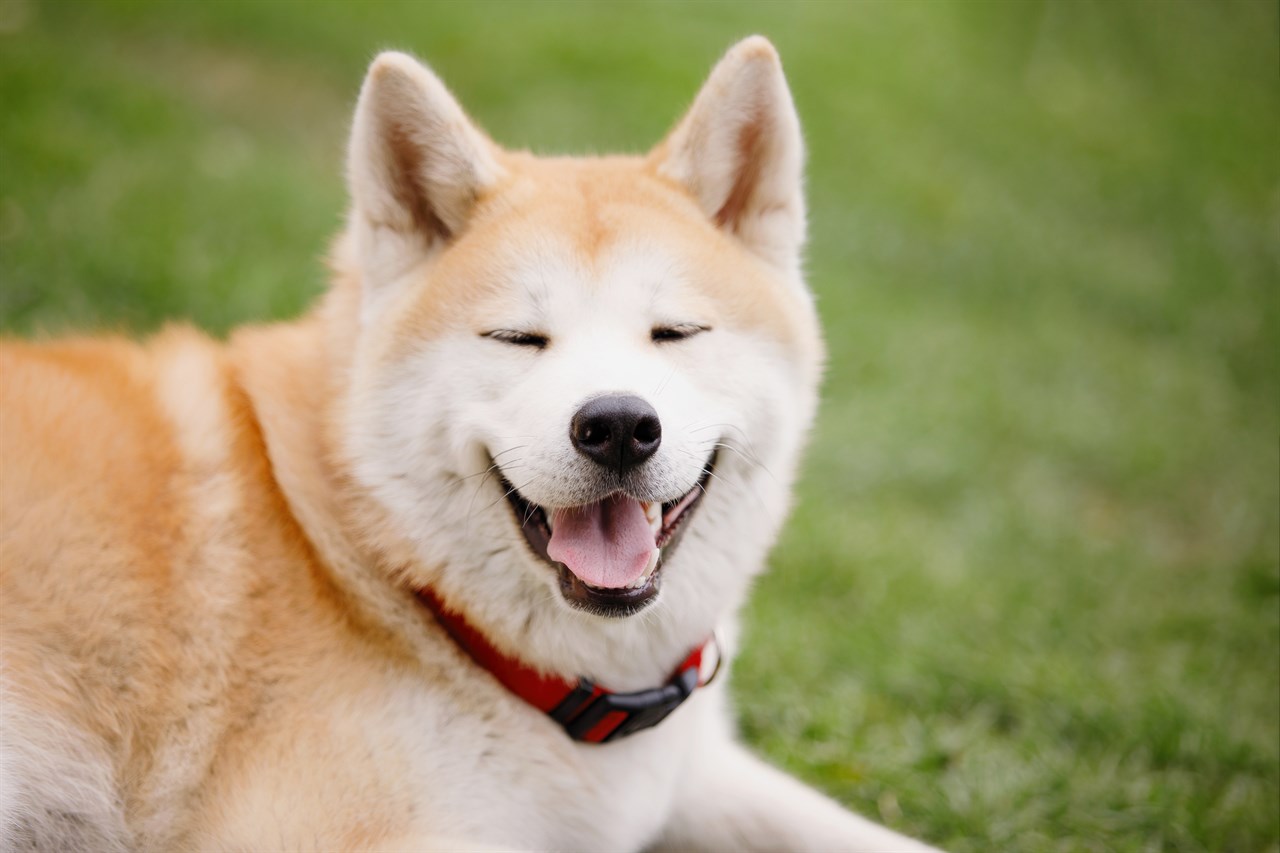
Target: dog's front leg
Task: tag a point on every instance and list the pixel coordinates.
(731, 800)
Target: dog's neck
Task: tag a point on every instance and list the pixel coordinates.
(294, 373)
(287, 373)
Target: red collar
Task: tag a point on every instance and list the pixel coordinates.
(587, 711)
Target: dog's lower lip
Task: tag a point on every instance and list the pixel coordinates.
(532, 521)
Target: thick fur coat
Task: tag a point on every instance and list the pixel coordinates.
(210, 552)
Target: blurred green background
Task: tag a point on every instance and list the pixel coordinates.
(1030, 598)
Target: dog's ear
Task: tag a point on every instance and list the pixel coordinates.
(415, 166)
(739, 152)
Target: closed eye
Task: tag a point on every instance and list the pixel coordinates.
(677, 332)
(518, 338)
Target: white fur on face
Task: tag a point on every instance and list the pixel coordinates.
(426, 430)
(599, 323)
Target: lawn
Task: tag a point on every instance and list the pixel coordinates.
(1030, 597)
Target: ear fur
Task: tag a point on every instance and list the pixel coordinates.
(415, 165)
(739, 152)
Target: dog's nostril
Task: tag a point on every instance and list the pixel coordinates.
(618, 431)
(593, 433)
(648, 429)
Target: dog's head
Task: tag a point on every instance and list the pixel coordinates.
(580, 385)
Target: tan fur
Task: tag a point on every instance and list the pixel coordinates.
(151, 571)
(200, 602)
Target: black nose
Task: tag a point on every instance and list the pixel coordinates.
(619, 431)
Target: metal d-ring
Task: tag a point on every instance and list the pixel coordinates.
(715, 640)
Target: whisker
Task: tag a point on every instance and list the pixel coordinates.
(663, 384)
(509, 491)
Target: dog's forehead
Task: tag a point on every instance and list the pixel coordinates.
(596, 211)
(569, 227)
(561, 230)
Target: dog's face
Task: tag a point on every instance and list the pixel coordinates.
(581, 383)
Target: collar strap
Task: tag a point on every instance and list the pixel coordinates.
(586, 711)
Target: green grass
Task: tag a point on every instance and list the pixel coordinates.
(1030, 599)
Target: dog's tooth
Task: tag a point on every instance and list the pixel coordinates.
(654, 556)
(653, 513)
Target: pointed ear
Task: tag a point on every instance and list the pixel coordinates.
(415, 166)
(739, 153)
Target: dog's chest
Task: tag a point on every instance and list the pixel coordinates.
(516, 779)
(408, 764)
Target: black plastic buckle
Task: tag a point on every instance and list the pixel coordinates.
(644, 708)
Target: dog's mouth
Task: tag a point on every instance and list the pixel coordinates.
(608, 554)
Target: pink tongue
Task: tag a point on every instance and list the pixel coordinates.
(606, 544)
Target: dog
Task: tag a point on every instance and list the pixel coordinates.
(453, 561)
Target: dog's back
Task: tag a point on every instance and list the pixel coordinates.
(141, 539)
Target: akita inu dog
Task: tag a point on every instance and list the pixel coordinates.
(453, 561)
